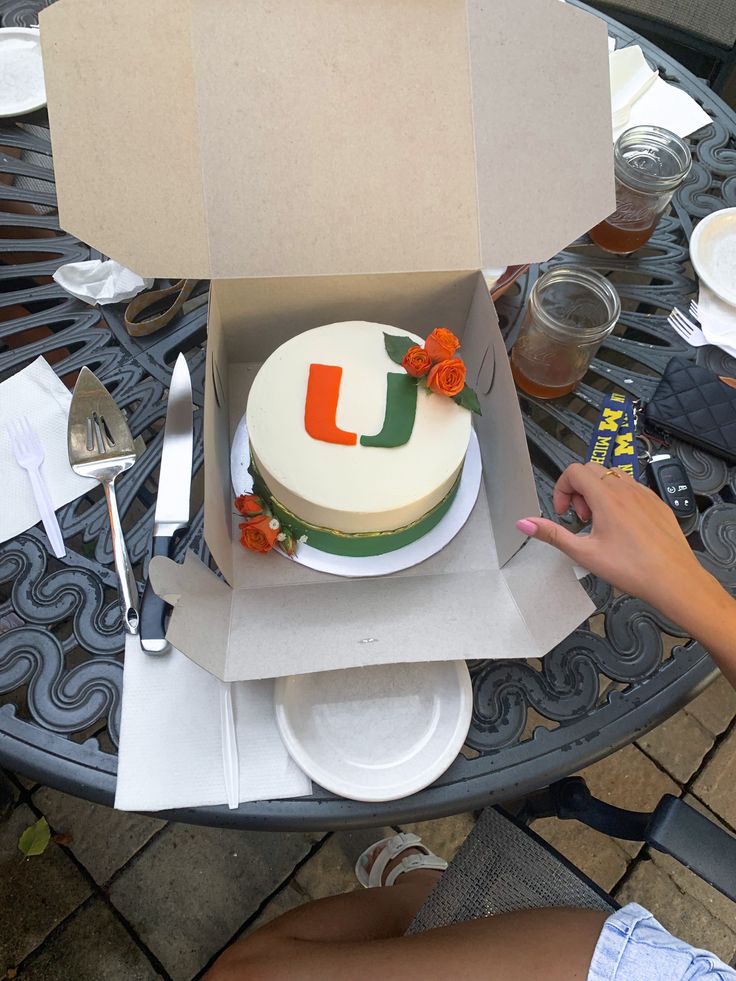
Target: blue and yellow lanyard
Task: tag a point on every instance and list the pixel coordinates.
(613, 443)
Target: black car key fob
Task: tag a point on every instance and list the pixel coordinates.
(671, 482)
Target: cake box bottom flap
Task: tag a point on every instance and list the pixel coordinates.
(268, 631)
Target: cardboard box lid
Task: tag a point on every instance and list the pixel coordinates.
(256, 138)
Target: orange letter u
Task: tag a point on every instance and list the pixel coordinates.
(320, 409)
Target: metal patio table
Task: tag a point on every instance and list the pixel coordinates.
(61, 639)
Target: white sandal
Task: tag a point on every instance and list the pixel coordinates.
(391, 848)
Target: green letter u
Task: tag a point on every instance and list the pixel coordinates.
(401, 408)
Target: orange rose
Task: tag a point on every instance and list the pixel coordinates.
(249, 505)
(441, 344)
(447, 377)
(258, 535)
(416, 362)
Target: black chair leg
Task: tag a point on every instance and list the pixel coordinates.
(673, 827)
(725, 71)
(7, 797)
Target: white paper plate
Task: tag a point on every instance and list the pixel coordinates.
(713, 253)
(22, 87)
(375, 565)
(377, 733)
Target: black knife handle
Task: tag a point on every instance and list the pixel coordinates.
(153, 609)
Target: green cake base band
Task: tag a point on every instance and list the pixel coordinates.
(361, 544)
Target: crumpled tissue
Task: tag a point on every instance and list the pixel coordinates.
(98, 282)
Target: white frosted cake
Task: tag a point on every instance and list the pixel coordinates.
(347, 447)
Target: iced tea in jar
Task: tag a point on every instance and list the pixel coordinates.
(570, 311)
(650, 164)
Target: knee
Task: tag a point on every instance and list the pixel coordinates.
(247, 960)
(219, 972)
(231, 965)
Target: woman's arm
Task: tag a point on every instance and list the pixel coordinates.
(636, 545)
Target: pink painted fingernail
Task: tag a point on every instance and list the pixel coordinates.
(526, 526)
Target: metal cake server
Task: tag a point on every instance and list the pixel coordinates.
(172, 503)
(100, 445)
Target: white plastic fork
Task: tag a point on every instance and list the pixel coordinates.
(694, 310)
(28, 452)
(686, 329)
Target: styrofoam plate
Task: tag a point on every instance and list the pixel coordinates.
(374, 565)
(22, 86)
(713, 253)
(377, 733)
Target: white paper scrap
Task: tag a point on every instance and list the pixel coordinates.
(717, 320)
(170, 740)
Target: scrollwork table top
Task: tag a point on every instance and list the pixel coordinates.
(61, 640)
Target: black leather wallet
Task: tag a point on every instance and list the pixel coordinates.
(696, 406)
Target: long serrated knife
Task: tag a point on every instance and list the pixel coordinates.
(172, 504)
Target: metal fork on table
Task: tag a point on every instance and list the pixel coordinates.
(686, 328)
(28, 452)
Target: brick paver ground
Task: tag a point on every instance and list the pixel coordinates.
(129, 898)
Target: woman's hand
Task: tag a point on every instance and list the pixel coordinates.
(636, 545)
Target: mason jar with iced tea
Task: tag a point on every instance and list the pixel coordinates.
(650, 163)
(570, 311)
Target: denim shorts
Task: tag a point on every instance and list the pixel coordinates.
(633, 946)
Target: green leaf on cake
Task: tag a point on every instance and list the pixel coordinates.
(397, 345)
(468, 400)
(289, 542)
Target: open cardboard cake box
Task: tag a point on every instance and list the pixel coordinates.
(324, 161)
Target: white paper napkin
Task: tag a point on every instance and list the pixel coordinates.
(717, 320)
(37, 393)
(640, 97)
(100, 282)
(170, 744)
(492, 275)
(631, 76)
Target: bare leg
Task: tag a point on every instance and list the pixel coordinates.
(359, 936)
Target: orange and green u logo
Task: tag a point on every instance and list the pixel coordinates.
(323, 395)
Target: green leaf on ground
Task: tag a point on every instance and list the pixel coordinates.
(35, 839)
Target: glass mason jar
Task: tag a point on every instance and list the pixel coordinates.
(570, 311)
(650, 163)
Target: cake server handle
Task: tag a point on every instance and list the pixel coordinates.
(230, 759)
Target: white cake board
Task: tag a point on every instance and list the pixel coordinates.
(373, 565)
